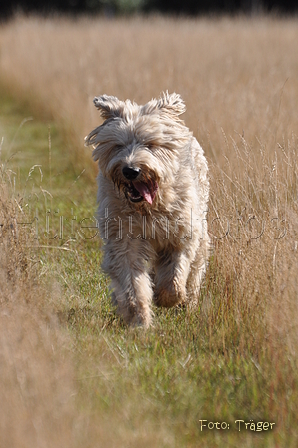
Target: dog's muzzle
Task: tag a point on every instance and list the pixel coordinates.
(137, 190)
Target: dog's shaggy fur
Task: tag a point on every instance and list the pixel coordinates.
(153, 195)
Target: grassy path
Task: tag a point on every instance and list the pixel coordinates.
(138, 389)
(35, 151)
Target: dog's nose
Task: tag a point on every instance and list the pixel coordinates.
(130, 173)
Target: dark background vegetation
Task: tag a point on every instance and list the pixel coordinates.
(111, 7)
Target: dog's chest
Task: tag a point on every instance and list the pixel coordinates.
(161, 230)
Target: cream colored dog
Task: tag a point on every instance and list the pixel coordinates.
(153, 194)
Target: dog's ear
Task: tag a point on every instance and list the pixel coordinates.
(109, 106)
(170, 103)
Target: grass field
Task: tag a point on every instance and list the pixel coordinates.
(71, 373)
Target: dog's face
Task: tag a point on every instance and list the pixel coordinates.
(138, 147)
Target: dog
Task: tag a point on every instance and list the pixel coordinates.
(153, 191)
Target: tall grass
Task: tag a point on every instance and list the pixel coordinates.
(37, 388)
(237, 353)
(235, 75)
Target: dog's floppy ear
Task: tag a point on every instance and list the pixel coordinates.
(109, 106)
(170, 103)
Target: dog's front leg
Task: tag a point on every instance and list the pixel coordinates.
(172, 270)
(130, 281)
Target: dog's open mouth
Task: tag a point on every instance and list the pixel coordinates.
(138, 191)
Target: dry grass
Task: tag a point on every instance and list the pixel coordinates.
(239, 76)
(239, 81)
(37, 389)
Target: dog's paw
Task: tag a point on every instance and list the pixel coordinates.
(136, 315)
(140, 321)
(169, 297)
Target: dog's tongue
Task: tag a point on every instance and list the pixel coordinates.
(145, 191)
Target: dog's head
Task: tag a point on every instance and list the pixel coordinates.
(138, 147)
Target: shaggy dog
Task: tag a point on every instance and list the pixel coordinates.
(153, 195)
